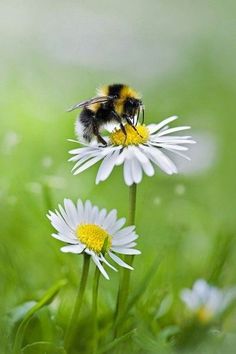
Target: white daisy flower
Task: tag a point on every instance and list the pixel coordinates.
(96, 232)
(206, 301)
(139, 151)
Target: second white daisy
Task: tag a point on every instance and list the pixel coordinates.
(140, 150)
(87, 229)
(207, 302)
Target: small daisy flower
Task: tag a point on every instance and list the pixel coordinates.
(207, 302)
(139, 151)
(96, 232)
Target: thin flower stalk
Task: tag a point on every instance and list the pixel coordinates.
(94, 310)
(125, 279)
(73, 324)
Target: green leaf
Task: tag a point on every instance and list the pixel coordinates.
(164, 307)
(168, 332)
(43, 348)
(117, 341)
(47, 298)
(18, 313)
(150, 344)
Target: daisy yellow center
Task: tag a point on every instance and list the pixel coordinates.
(204, 315)
(94, 237)
(133, 137)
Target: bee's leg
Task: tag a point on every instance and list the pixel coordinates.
(129, 121)
(101, 140)
(98, 136)
(118, 119)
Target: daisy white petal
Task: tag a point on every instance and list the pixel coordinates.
(94, 214)
(100, 267)
(79, 151)
(201, 288)
(88, 164)
(173, 140)
(170, 146)
(86, 229)
(190, 299)
(83, 160)
(124, 240)
(136, 170)
(154, 127)
(125, 231)
(87, 210)
(107, 166)
(71, 211)
(144, 161)
(129, 244)
(119, 261)
(117, 225)
(173, 130)
(107, 263)
(101, 216)
(122, 156)
(128, 172)
(180, 154)
(123, 250)
(80, 209)
(73, 248)
(160, 159)
(148, 169)
(64, 216)
(60, 225)
(64, 238)
(110, 219)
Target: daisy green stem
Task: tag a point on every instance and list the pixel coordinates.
(132, 203)
(71, 330)
(125, 279)
(94, 309)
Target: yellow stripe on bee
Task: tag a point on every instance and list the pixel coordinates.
(103, 90)
(119, 106)
(94, 107)
(127, 91)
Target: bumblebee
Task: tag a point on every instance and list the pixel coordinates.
(116, 103)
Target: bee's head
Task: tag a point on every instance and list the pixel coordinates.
(132, 107)
(132, 104)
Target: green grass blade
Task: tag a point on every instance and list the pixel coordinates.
(47, 298)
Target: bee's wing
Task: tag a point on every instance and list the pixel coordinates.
(98, 99)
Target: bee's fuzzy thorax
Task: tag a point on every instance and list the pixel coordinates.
(128, 91)
(121, 90)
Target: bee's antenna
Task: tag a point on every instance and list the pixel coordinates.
(137, 119)
(142, 113)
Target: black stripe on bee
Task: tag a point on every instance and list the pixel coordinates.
(114, 90)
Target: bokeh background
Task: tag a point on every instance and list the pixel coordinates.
(181, 56)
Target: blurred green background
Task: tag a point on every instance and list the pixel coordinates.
(181, 56)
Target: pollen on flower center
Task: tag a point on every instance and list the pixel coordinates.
(133, 137)
(204, 315)
(94, 237)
